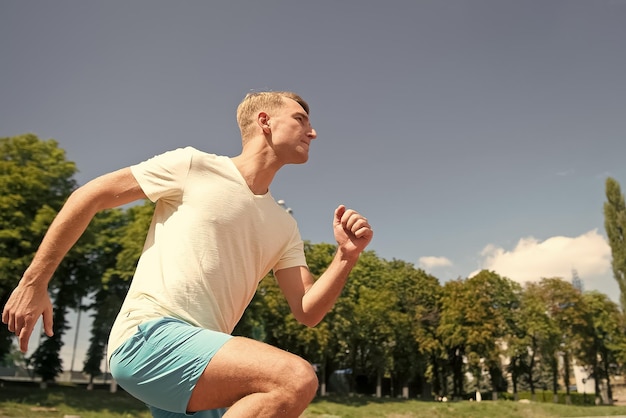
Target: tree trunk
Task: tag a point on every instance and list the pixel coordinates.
(607, 376)
(457, 373)
(596, 384)
(323, 378)
(566, 377)
(515, 394)
(555, 380)
(531, 381)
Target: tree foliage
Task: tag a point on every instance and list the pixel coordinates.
(615, 226)
(35, 179)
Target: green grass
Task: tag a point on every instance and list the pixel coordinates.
(367, 407)
(28, 400)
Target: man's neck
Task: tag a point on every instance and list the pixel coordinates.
(257, 169)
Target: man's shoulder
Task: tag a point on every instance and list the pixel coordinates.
(190, 153)
(183, 158)
(198, 153)
(203, 157)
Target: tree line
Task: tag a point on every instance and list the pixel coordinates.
(394, 326)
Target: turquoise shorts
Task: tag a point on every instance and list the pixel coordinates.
(162, 362)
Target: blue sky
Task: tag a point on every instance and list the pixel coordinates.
(472, 133)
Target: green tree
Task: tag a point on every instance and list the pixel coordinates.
(615, 226)
(566, 312)
(35, 179)
(376, 319)
(118, 249)
(426, 314)
(453, 331)
(490, 322)
(418, 295)
(77, 276)
(600, 347)
(363, 320)
(533, 329)
(46, 360)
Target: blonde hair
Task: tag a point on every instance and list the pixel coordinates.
(262, 101)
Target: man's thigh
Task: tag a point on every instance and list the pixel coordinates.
(242, 367)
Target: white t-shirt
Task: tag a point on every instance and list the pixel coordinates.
(210, 243)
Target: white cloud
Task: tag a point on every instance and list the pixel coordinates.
(431, 262)
(589, 254)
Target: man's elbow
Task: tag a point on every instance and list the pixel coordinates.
(309, 320)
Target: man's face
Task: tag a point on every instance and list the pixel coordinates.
(292, 132)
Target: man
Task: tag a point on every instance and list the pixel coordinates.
(216, 232)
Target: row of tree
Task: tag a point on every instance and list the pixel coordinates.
(393, 322)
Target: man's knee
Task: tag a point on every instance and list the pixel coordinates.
(303, 379)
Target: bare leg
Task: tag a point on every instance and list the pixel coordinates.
(255, 379)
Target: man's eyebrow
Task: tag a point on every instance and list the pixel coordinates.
(304, 115)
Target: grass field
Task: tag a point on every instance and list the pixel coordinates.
(28, 400)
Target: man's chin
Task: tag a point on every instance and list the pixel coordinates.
(303, 158)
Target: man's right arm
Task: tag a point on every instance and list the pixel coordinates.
(30, 298)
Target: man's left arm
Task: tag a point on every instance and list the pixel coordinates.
(311, 299)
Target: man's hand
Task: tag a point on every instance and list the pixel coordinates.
(21, 312)
(352, 231)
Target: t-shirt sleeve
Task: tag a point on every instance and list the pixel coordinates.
(294, 254)
(163, 176)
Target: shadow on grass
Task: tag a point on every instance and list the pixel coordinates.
(73, 396)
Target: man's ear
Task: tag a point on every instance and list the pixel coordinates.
(263, 119)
